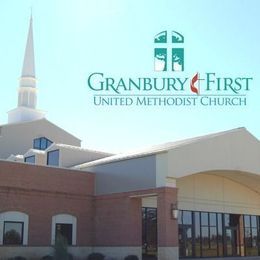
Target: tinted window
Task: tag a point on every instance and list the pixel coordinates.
(64, 231)
(180, 217)
(13, 233)
(251, 235)
(208, 234)
(212, 219)
(37, 143)
(186, 215)
(41, 143)
(197, 233)
(53, 158)
(48, 143)
(149, 238)
(204, 219)
(247, 221)
(227, 220)
(253, 222)
(30, 159)
(220, 235)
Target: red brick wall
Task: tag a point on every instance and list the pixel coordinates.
(105, 220)
(167, 227)
(118, 220)
(42, 192)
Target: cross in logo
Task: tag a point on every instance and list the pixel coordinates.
(176, 61)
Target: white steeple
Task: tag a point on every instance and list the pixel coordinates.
(28, 62)
(27, 93)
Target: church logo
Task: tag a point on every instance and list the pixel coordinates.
(169, 52)
(171, 88)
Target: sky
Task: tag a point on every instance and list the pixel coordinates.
(74, 38)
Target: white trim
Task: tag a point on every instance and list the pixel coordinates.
(149, 202)
(64, 219)
(17, 217)
(170, 182)
(148, 195)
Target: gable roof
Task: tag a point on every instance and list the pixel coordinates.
(40, 120)
(76, 148)
(161, 148)
(17, 138)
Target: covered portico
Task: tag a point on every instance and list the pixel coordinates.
(218, 195)
(217, 181)
(218, 215)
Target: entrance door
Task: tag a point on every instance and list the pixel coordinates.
(231, 242)
(185, 240)
(149, 235)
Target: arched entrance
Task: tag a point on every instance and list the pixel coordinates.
(219, 214)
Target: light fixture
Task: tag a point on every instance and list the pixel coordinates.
(174, 211)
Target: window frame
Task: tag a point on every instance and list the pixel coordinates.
(42, 140)
(28, 157)
(15, 216)
(146, 213)
(218, 226)
(64, 218)
(250, 227)
(52, 151)
(69, 243)
(22, 233)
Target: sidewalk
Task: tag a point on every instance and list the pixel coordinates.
(230, 258)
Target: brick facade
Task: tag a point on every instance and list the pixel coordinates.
(42, 192)
(103, 221)
(118, 219)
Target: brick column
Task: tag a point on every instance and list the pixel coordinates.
(167, 227)
(118, 225)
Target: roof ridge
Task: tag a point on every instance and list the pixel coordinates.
(156, 148)
(79, 148)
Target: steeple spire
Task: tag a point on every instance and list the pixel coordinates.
(28, 62)
(27, 93)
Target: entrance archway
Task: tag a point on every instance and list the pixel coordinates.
(219, 214)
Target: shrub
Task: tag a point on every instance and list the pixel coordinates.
(131, 257)
(47, 257)
(96, 256)
(19, 258)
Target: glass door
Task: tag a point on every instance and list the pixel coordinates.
(149, 233)
(185, 240)
(231, 242)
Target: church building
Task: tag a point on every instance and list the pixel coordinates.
(195, 198)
